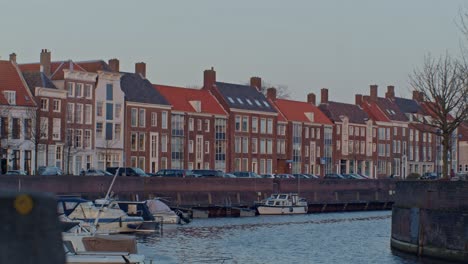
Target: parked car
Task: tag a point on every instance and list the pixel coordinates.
(127, 171)
(285, 176)
(300, 176)
(208, 173)
(268, 176)
(229, 175)
(174, 173)
(364, 176)
(352, 176)
(16, 172)
(94, 172)
(246, 174)
(335, 176)
(312, 176)
(49, 171)
(429, 176)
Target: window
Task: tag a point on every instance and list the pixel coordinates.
(190, 146)
(254, 145)
(118, 110)
(164, 119)
(87, 91)
(10, 96)
(338, 145)
(99, 108)
(395, 131)
(191, 124)
(318, 133)
(269, 146)
(45, 104)
(133, 141)
(87, 139)
(134, 161)
(27, 128)
(109, 111)
(199, 125)
(262, 146)
(306, 132)
(338, 129)
(356, 131)
(79, 90)
(57, 105)
(109, 92)
(154, 119)
(262, 125)
(70, 112)
(237, 145)
(79, 114)
(56, 128)
(351, 130)
(88, 116)
(207, 147)
(44, 127)
(207, 125)
(245, 145)
(142, 117)
(238, 123)
(109, 131)
(363, 132)
(388, 133)
(270, 126)
(78, 138)
(98, 130)
(141, 163)
(318, 151)
(134, 117)
(16, 126)
(245, 124)
(164, 143)
(141, 141)
(254, 125)
(363, 147)
(71, 89)
(117, 131)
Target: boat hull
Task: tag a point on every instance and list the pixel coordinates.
(281, 210)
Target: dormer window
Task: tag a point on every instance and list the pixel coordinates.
(196, 105)
(231, 100)
(10, 96)
(310, 116)
(239, 100)
(248, 101)
(258, 103)
(266, 104)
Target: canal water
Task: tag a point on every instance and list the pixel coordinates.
(356, 237)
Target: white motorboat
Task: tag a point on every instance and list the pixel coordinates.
(282, 203)
(110, 219)
(168, 216)
(103, 257)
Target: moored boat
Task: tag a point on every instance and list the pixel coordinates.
(282, 203)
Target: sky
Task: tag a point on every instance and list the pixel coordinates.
(305, 45)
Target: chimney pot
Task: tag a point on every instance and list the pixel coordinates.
(45, 61)
(256, 82)
(114, 64)
(373, 92)
(209, 78)
(13, 57)
(271, 93)
(140, 68)
(311, 98)
(358, 99)
(390, 92)
(324, 96)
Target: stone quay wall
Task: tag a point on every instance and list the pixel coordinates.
(430, 218)
(206, 191)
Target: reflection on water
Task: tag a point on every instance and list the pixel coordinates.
(361, 237)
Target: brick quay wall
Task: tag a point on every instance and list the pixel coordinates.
(430, 218)
(205, 191)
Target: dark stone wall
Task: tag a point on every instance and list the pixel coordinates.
(205, 191)
(431, 219)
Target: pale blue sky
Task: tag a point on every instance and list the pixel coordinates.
(306, 45)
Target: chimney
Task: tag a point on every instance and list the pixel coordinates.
(373, 92)
(256, 82)
(140, 67)
(324, 96)
(390, 92)
(271, 93)
(417, 96)
(311, 98)
(358, 99)
(209, 78)
(114, 64)
(45, 61)
(13, 57)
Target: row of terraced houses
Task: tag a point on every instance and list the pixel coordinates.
(88, 114)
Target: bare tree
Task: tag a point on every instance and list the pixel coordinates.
(38, 132)
(442, 86)
(108, 146)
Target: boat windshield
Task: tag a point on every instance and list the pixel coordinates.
(283, 196)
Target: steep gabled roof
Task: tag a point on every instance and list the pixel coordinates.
(391, 110)
(408, 106)
(180, 99)
(94, 65)
(56, 68)
(244, 97)
(374, 112)
(334, 111)
(37, 79)
(11, 80)
(139, 89)
(297, 111)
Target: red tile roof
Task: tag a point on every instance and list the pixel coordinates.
(56, 68)
(296, 111)
(180, 99)
(374, 111)
(11, 80)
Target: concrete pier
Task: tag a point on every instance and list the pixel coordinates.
(430, 218)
